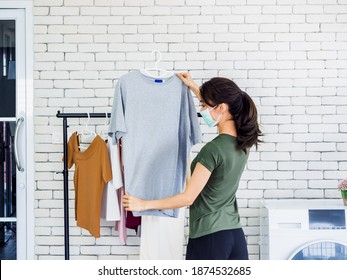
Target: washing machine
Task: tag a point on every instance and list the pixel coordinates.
(313, 229)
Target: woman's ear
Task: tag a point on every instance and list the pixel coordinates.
(223, 107)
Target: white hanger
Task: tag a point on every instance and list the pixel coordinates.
(165, 73)
(87, 132)
(104, 132)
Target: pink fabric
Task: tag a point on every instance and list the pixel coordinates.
(120, 225)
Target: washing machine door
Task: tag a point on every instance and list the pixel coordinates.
(321, 250)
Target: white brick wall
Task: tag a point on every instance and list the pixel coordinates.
(289, 55)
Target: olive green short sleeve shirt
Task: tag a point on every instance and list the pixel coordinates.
(215, 208)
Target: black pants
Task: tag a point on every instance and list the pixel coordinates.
(221, 245)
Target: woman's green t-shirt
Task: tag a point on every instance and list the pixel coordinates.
(215, 208)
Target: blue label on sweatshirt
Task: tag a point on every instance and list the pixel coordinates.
(158, 81)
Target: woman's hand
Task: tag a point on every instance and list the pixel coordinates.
(132, 203)
(187, 79)
(189, 82)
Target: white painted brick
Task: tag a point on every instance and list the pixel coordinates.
(48, 38)
(62, 29)
(246, 46)
(340, 82)
(168, 19)
(338, 64)
(64, 11)
(48, 2)
(98, 84)
(304, 27)
(138, 38)
(84, 75)
(48, 20)
(78, 57)
(40, 11)
(49, 56)
(139, 3)
(278, 46)
(183, 47)
(99, 66)
(305, 156)
(92, 29)
(125, 11)
(279, 137)
(95, 11)
(292, 73)
(40, 48)
(167, 38)
(68, 84)
(200, 38)
(292, 55)
(276, 175)
(290, 147)
(306, 64)
(308, 193)
(307, 9)
(321, 18)
(291, 92)
(290, 18)
(52, 75)
(289, 37)
(62, 47)
(292, 128)
(246, 10)
(260, 37)
(274, 27)
(341, 18)
(277, 83)
(78, 38)
(335, 9)
(69, 66)
(293, 184)
(306, 119)
(78, 2)
(321, 110)
(266, 56)
(92, 48)
(156, 28)
(259, 19)
(279, 65)
(261, 184)
(336, 27)
(277, 10)
(292, 165)
(323, 128)
(40, 29)
(243, 28)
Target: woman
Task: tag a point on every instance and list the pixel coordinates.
(214, 223)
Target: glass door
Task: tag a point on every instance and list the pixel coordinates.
(12, 136)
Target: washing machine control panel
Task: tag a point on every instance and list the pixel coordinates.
(329, 219)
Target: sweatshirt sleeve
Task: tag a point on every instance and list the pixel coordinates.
(195, 132)
(117, 126)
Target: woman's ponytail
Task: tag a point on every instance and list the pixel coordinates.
(246, 122)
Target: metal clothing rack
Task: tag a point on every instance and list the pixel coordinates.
(65, 171)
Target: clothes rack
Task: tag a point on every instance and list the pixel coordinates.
(65, 172)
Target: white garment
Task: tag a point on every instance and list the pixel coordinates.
(110, 204)
(162, 237)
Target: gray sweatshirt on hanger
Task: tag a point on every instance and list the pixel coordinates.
(158, 124)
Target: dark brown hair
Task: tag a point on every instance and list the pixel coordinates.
(241, 107)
